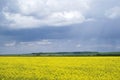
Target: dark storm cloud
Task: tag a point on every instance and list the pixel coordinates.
(37, 34)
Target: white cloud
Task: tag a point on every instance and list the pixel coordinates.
(36, 7)
(36, 13)
(44, 42)
(12, 44)
(20, 21)
(48, 6)
(27, 44)
(36, 43)
(78, 45)
(90, 20)
(113, 13)
(66, 18)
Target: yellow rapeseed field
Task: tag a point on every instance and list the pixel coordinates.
(59, 68)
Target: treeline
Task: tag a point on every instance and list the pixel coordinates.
(67, 54)
(78, 54)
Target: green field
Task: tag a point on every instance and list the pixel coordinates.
(59, 68)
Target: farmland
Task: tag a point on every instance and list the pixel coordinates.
(59, 68)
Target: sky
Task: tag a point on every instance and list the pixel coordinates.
(28, 26)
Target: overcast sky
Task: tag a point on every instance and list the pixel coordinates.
(59, 25)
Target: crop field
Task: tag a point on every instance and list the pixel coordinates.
(59, 68)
